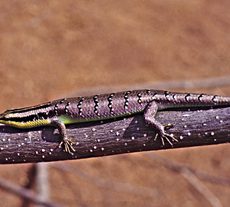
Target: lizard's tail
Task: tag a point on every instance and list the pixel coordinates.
(204, 99)
(174, 99)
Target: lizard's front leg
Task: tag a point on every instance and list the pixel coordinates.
(65, 143)
(149, 115)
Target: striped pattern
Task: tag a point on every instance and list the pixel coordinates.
(106, 106)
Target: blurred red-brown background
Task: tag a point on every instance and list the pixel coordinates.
(49, 49)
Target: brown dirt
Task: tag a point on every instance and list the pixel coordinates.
(49, 48)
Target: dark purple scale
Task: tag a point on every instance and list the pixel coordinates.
(129, 102)
(103, 106)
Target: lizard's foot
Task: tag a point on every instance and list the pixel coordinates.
(149, 115)
(67, 145)
(165, 136)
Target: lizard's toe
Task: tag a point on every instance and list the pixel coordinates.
(67, 145)
(165, 137)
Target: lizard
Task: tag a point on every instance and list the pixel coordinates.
(61, 112)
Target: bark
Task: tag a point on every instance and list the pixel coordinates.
(191, 128)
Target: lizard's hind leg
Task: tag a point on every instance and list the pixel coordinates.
(149, 115)
(65, 143)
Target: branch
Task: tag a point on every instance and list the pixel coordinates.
(24, 193)
(93, 139)
(201, 188)
(178, 168)
(42, 181)
(109, 184)
(31, 175)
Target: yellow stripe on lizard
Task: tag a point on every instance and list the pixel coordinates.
(28, 124)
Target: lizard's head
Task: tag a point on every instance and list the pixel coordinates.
(27, 117)
(20, 119)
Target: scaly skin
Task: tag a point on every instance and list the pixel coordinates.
(106, 106)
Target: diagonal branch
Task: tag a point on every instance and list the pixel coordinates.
(24, 193)
(201, 188)
(110, 184)
(178, 168)
(192, 128)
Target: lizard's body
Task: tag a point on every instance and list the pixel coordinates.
(101, 107)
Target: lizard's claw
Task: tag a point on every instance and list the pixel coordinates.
(165, 136)
(67, 145)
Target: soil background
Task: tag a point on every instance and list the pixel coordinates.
(49, 49)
